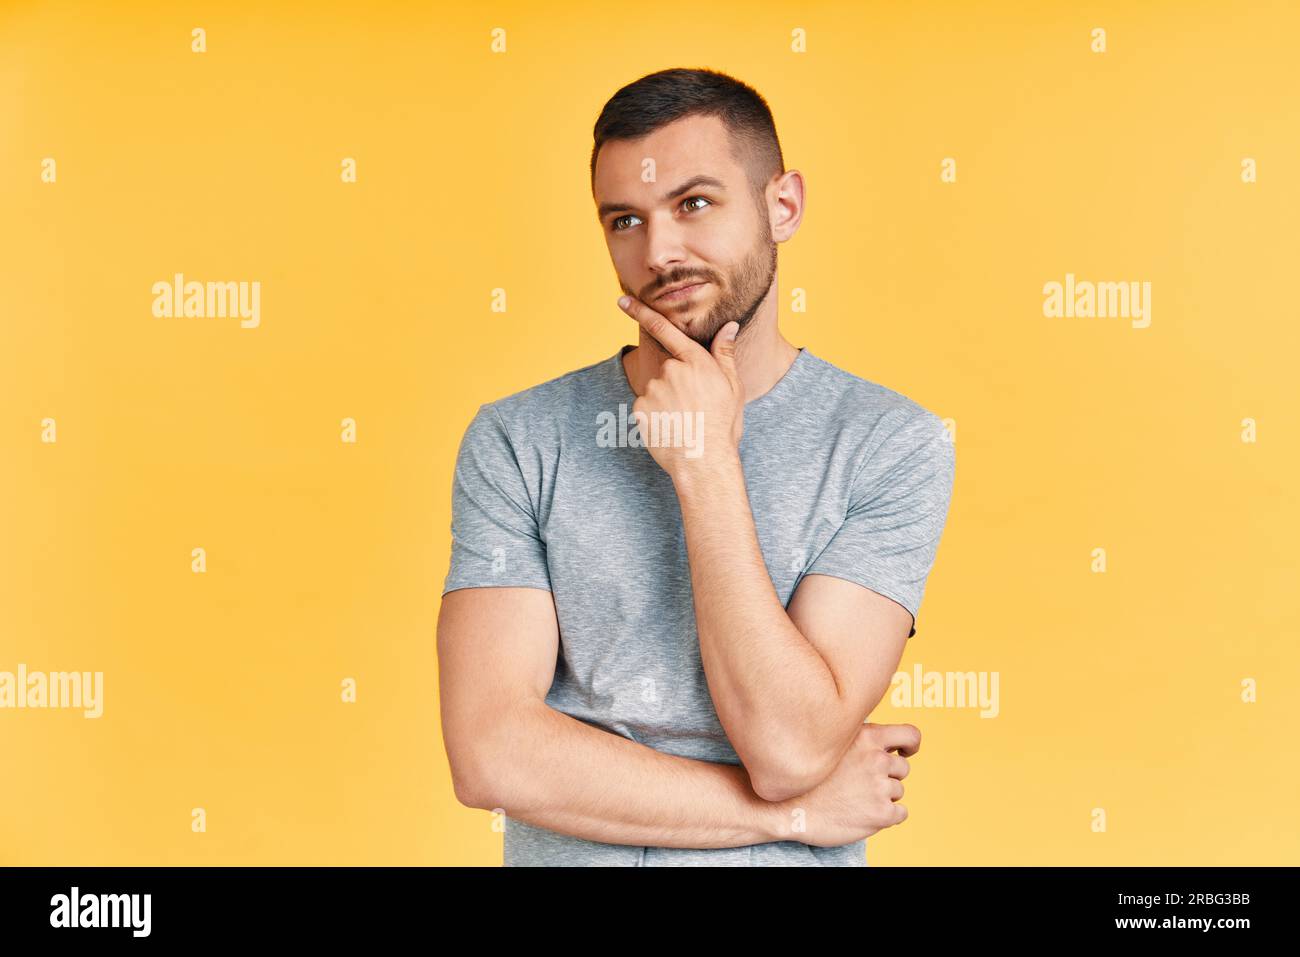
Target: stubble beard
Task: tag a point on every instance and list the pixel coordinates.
(741, 297)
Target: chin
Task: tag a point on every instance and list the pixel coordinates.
(707, 341)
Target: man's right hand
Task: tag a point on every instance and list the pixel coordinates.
(858, 799)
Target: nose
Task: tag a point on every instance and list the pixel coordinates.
(663, 248)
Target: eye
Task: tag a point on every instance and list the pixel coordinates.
(614, 223)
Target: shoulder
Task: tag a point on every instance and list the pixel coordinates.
(882, 414)
(539, 413)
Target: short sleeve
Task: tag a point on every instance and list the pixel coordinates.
(494, 530)
(897, 509)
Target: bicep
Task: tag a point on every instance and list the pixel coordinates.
(497, 648)
(859, 633)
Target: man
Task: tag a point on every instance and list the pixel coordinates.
(658, 646)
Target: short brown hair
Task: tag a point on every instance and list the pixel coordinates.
(658, 99)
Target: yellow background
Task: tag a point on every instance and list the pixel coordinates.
(325, 560)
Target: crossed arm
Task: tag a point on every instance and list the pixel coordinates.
(509, 750)
(791, 690)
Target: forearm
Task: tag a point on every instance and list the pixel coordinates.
(769, 685)
(554, 771)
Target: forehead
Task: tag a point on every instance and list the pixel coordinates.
(683, 148)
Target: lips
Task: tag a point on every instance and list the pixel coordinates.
(681, 291)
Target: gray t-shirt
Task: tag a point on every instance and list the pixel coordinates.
(551, 490)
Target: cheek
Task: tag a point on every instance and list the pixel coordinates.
(625, 267)
(720, 259)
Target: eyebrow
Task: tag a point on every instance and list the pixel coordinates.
(695, 181)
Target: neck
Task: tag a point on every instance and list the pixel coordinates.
(763, 356)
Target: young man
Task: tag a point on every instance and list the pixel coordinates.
(683, 576)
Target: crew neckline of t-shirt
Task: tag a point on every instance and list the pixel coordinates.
(783, 385)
